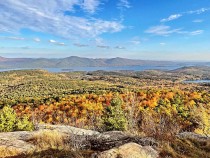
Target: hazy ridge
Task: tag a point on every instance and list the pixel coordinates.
(74, 61)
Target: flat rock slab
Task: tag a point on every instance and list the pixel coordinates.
(129, 150)
(18, 143)
(13, 143)
(69, 130)
(18, 135)
(108, 140)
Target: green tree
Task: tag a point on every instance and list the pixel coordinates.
(114, 117)
(7, 119)
(10, 122)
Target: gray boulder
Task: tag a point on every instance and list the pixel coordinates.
(129, 150)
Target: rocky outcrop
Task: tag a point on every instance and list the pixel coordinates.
(68, 130)
(88, 139)
(22, 142)
(14, 143)
(129, 150)
(113, 144)
(108, 140)
(191, 135)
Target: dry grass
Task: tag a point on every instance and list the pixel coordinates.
(185, 148)
(47, 144)
(5, 152)
(54, 154)
(52, 143)
(49, 139)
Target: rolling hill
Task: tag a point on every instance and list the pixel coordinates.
(74, 61)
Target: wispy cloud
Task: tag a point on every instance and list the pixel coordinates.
(52, 41)
(49, 16)
(171, 17)
(80, 45)
(91, 5)
(56, 43)
(162, 30)
(197, 32)
(198, 11)
(4, 29)
(135, 40)
(99, 41)
(15, 38)
(61, 44)
(178, 15)
(103, 46)
(37, 40)
(119, 47)
(123, 4)
(198, 21)
(162, 43)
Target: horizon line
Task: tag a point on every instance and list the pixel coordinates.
(161, 60)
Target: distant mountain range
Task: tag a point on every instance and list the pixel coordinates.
(75, 61)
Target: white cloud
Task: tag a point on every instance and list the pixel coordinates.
(171, 17)
(176, 16)
(52, 41)
(99, 41)
(13, 38)
(119, 47)
(135, 40)
(37, 40)
(57, 43)
(61, 44)
(4, 29)
(162, 30)
(162, 44)
(49, 16)
(103, 46)
(197, 32)
(199, 11)
(90, 5)
(198, 21)
(80, 45)
(123, 4)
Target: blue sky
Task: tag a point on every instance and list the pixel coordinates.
(136, 29)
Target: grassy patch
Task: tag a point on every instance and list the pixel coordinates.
(186, 148)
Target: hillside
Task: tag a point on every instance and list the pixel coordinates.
(74, 61)
(193, 70)
(154, 107)
(124, 112)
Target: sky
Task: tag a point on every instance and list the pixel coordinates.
(135, 29)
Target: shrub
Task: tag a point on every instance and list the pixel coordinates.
(160, 126)
(114, 117)
(7, 119)
(200, 115)
(10, 122)
(24, 124)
